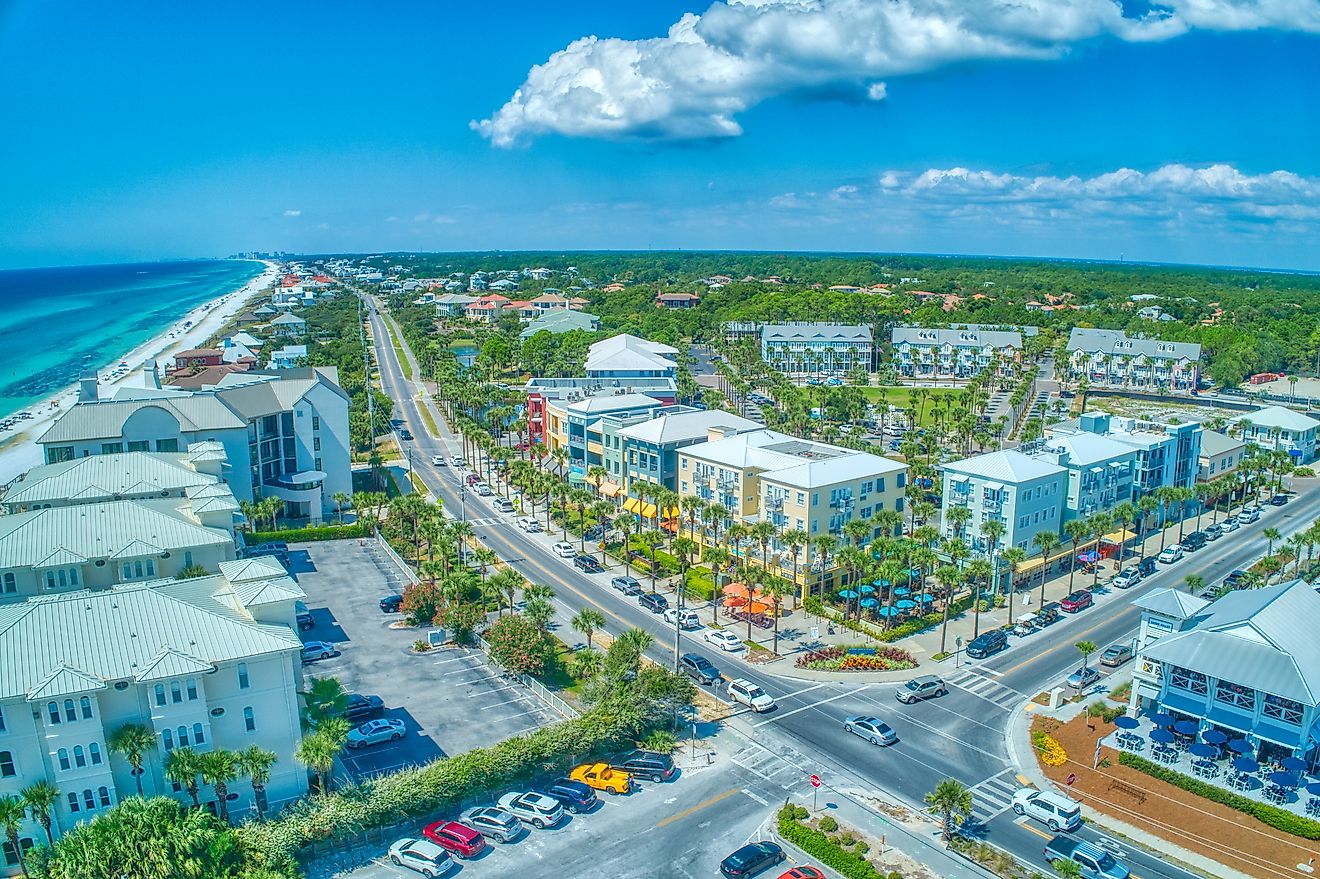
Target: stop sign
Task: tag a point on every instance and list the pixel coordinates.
(815, 781)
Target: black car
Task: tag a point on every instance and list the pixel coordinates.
(587, 564)
(752, 859)
(1278, 500)
(1048, 614)
(653, 601)
(646, 764)
(405, 434)
(391, 603)
(699, 668)
(1233, 579)
(305, 620)
(573, 795)
(1147, 566)
(1194, 541)
(985, 645)
(361, 707)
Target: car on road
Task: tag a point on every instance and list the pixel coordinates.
(1083, 678)
(653, 601)
(925, 687)
(575, 796)
(1278, 500)
(602, 776)
(747, 693)
(438, 460)
(699, 668)
(1194, 541)
(873, 729)
(375, 732)
(1115, 655)
(627, 585)
(1079, 600)
(504, 505)
(494, 823)
(1093, 862)
(803, 872)
(528, 524)
(1248, 515)
(1170, 554)
(1126, 578)
(1230, 525)
(391, 603)
(456, 838)
(686, 619)
(472, 479)
(421, 856)
(646, 764)
(482, 489)
(533, 807)
(723, 639)
(564, 549)
(405, 435)
(587, 564)
(359, 707)
(1214, 532)
(1054, 810)
(313, 651)
(752, 858)
(987, 643)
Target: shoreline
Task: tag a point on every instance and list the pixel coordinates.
(18, 449)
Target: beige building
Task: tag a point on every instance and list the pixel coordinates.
(794, 484)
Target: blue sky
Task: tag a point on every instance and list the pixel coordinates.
(165, 130)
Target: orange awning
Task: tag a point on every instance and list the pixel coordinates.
(757, 607)
(610, 489)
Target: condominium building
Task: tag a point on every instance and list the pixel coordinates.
(284, 432)
(1100, 471)
(960, 352)
(126, 476)
(811, 348)
(576, 426)
(1112, 359)
(795, 485)
(644, 446)
(543, 393)
(1167, 454)
(1220, 454)
(627, 357)
(206, 663)
(1024, 493)
(1279, 428)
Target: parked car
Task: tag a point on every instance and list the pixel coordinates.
(533, 807)
(1147, 566)
(602, 776)
(574, 796)
(723, 639)
(422, 856)
(1249, 515)
(1115, 655)
(747, 693)
(304, 618)
(375, 732)
(1230, 525)
(686, 619)
(528, 524)
(873, 729)
(1093, 862)
(1278, 500)
(1126, 578)
(699, 668)
(472, 479)
(438, 460)
(587, 564)
(1214, 532)
(482, 489)
(627, 585)
(456, 838)
(987, 644)
(564, 549)
(504, 505)
(313, 651)
(803, 872)
(1083, 678)
(391, 603)
(1171, 554)
(1079, 600)
(1194, 541)
(1048, 615)
(653, 601)
(752, 858)
(1234, 578)
(925, 687)
(1055, 811)
(359, 707)
(646, 764)
(1026, 624)
(457, 461)
(494, 823)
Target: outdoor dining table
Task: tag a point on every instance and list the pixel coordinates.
(1313, 806)
(1241, 781)
(1205, 768)
(1130, 741)
(1275, 794)
(1166, 754)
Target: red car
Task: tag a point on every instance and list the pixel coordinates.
(803, 873)
(456, 838)
(1079, 600)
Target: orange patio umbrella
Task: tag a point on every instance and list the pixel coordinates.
(736, 589)
(735, 601)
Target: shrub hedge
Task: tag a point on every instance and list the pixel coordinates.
(916, 625)
(1279, 819)
(822, 848)
(307, 535)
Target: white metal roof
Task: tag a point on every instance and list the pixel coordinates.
(626, 352)
(671, 428)
(1008, 466)
(809, 332)
(106, 477)
(1281, 417)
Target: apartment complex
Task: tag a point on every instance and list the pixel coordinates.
(959, 352)
(576, 426)
(561, 320)
(1167, 454)
(815, 348)
(1112, 359)
(126, 476)
(1101, 471)
(546, 393)
(1024, 493)
(643, 447)
(284, 432)
(1281, 429)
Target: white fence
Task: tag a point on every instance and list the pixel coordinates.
(549, 698)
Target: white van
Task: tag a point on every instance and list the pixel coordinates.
(1055, 811)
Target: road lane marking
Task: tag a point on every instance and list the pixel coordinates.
(807, 690)
(679, 816)
(1041, 833)
(778, 717)
(758, 799)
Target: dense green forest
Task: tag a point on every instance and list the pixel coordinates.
(1246, 321)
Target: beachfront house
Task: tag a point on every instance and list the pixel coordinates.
(288, 325)
(1279, 428)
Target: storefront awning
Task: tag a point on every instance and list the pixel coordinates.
(633, 505)
(1192, 705)
(610, 489)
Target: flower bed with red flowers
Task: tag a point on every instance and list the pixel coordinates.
(857, 659)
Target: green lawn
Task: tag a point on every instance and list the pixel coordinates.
(901, 397)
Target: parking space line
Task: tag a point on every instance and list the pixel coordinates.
(496, 690)
(452, 659)
(536, 711)
(513, 701)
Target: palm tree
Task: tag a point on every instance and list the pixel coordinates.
(255, 762)
(588, 621)
(1146, 505)
(1164, 495)
(326, 698)
(1194, 583)
(652, 539)
(319, 750)
(133, 741)
(341, 499)
(993, 530)
(218, 768)
(182, 766)
(1076, 529)
(794, 540)
(717, 557)
(776, 588)
(1014, 555)
(1099, 526)
(12, 814)
(636, 642)
(1125, 513)
(40, 798)
(948, 577)
(825, 544)
(624, 522)
(978, 571)
(1044, 541)
(1086, 648)
(952, 802)
(1270, 535)
(763, 533)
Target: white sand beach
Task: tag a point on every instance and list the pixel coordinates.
(18, 449)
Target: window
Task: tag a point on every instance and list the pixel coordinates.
(88, 800)
(11, 856)
(160, 694)
(316, 444)
(167, 738)
(63, 756)
(1283, 709)
(85, 703)
(7, 769)
(1235, 694)
(192, 689)
(79, 756)
(182, 733)
(176, 692)
(94, 751)
(103, 794)
(167, 445)
(73, 803)
(69, 714)
(10, 583)
(111, 448)
(187, 558)
(139, 446)
(316, 422)
(198, 737)
(249, 721)
(2, 720)
(242, 676)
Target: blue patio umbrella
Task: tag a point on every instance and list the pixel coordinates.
(902, 590)
(1245, 764)
(1293, 764)
(904, 604)
(1201, 749)
(1161, 719)
(1186, 727)
(869, 602)
(866, 589)
(880, 582)
(1214, 737)
(1313, 788)
(887, 612)
(913, 572)
(1123, 721)
(1284, 779)
(1240, 746)
(848, 594)
(1161, 735)
(926, 598)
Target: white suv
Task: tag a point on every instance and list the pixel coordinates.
(1055, 811)
(565, 550)
(749, 694)
(530, 525)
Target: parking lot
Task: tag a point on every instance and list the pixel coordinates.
(450, 700)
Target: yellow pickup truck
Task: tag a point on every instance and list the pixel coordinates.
(601, 777)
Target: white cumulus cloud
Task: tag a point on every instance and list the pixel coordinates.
(694, 81)
(292, 213)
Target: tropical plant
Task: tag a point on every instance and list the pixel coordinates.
(519, 644)
(588, 621)
(256, 762)
(952, 802)
(13, 811)
(133, 741)
(218, 768)
(1086, 648)
(318, 750)
(40, 798)
(182, 766)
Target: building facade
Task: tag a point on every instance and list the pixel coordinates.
(1101, 472)
(1220, 454)
(960, 352)
(1024, 493)
(544, 393)
(1167, 455)
(643, 447)
(1112, 359)
(1281, 429)
(576, 426)
(812, 349)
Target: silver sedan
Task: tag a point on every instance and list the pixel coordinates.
(873, 729)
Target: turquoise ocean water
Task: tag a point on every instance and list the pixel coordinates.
(57, 322)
